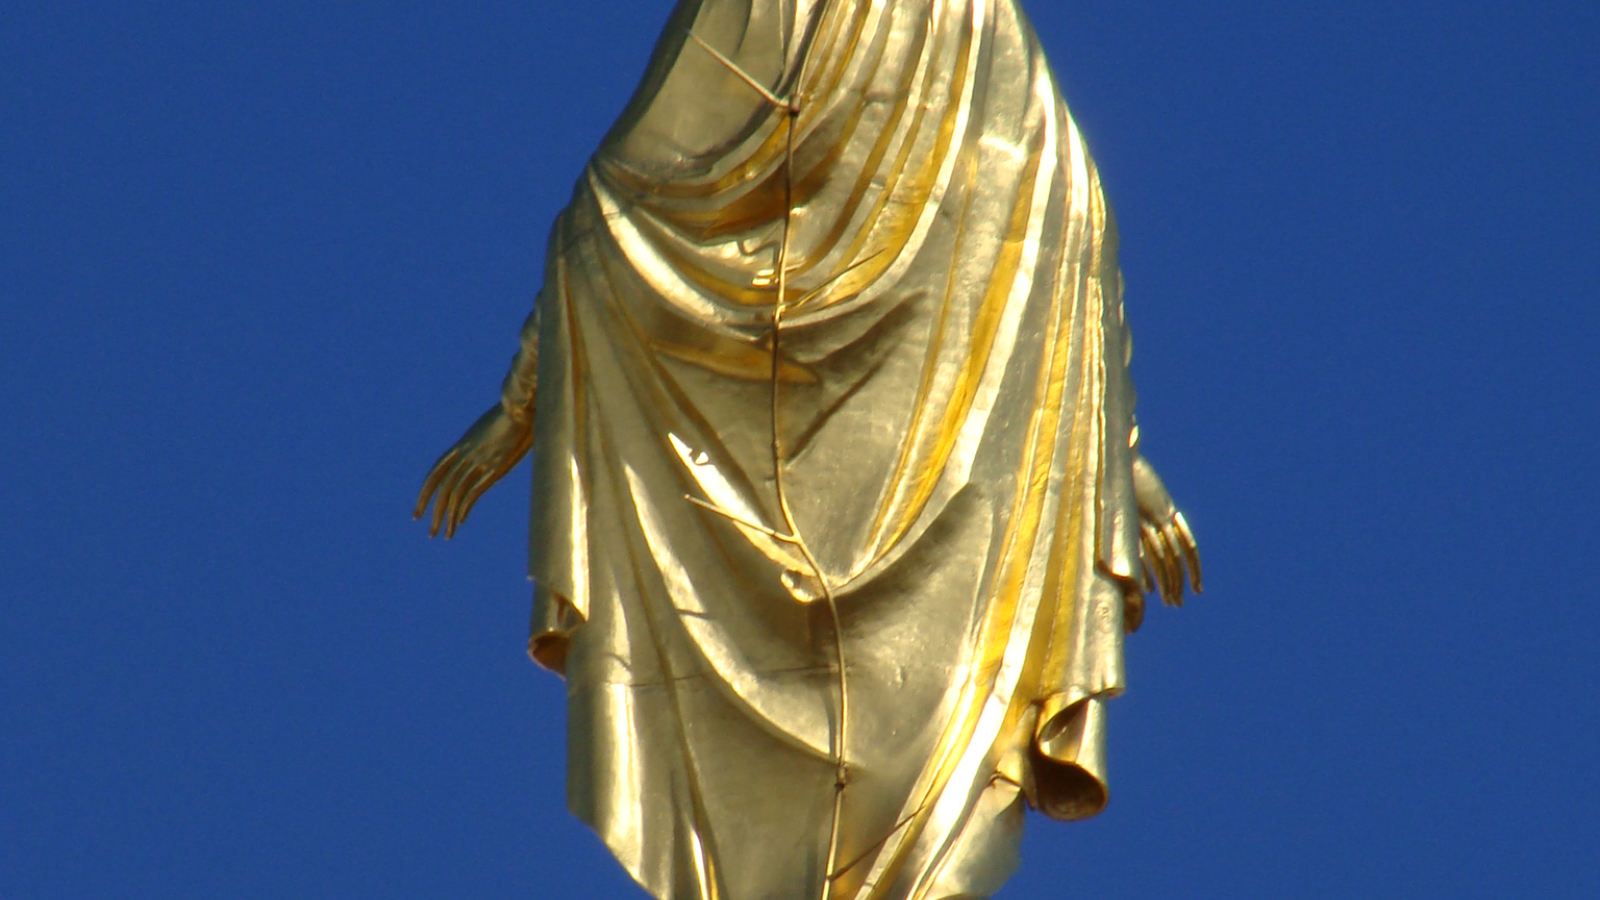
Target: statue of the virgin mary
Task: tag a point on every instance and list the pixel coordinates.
(839, 515)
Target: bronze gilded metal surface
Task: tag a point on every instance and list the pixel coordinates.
(839, 513)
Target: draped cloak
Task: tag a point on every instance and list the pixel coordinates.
(930, 439)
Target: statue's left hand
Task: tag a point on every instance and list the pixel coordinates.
(1169, 548)
(490, 448)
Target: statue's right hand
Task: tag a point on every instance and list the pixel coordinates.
(490, 448)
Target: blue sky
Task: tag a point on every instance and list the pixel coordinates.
(261, 262)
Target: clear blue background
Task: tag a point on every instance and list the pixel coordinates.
(261, 262)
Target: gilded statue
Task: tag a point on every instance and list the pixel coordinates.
(839, 516)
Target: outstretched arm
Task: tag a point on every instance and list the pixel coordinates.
(491, 447)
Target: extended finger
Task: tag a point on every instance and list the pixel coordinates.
(1164, 580)
(469, 475)
(1160, 564)
(1173, 561)
(1191, 549)
(1176, 562)
(1152, 558)
(472, 492)
(447, 492)
(471, 489)
(431, 483)
(492, 474)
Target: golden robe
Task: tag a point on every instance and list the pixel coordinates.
(832, 334)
